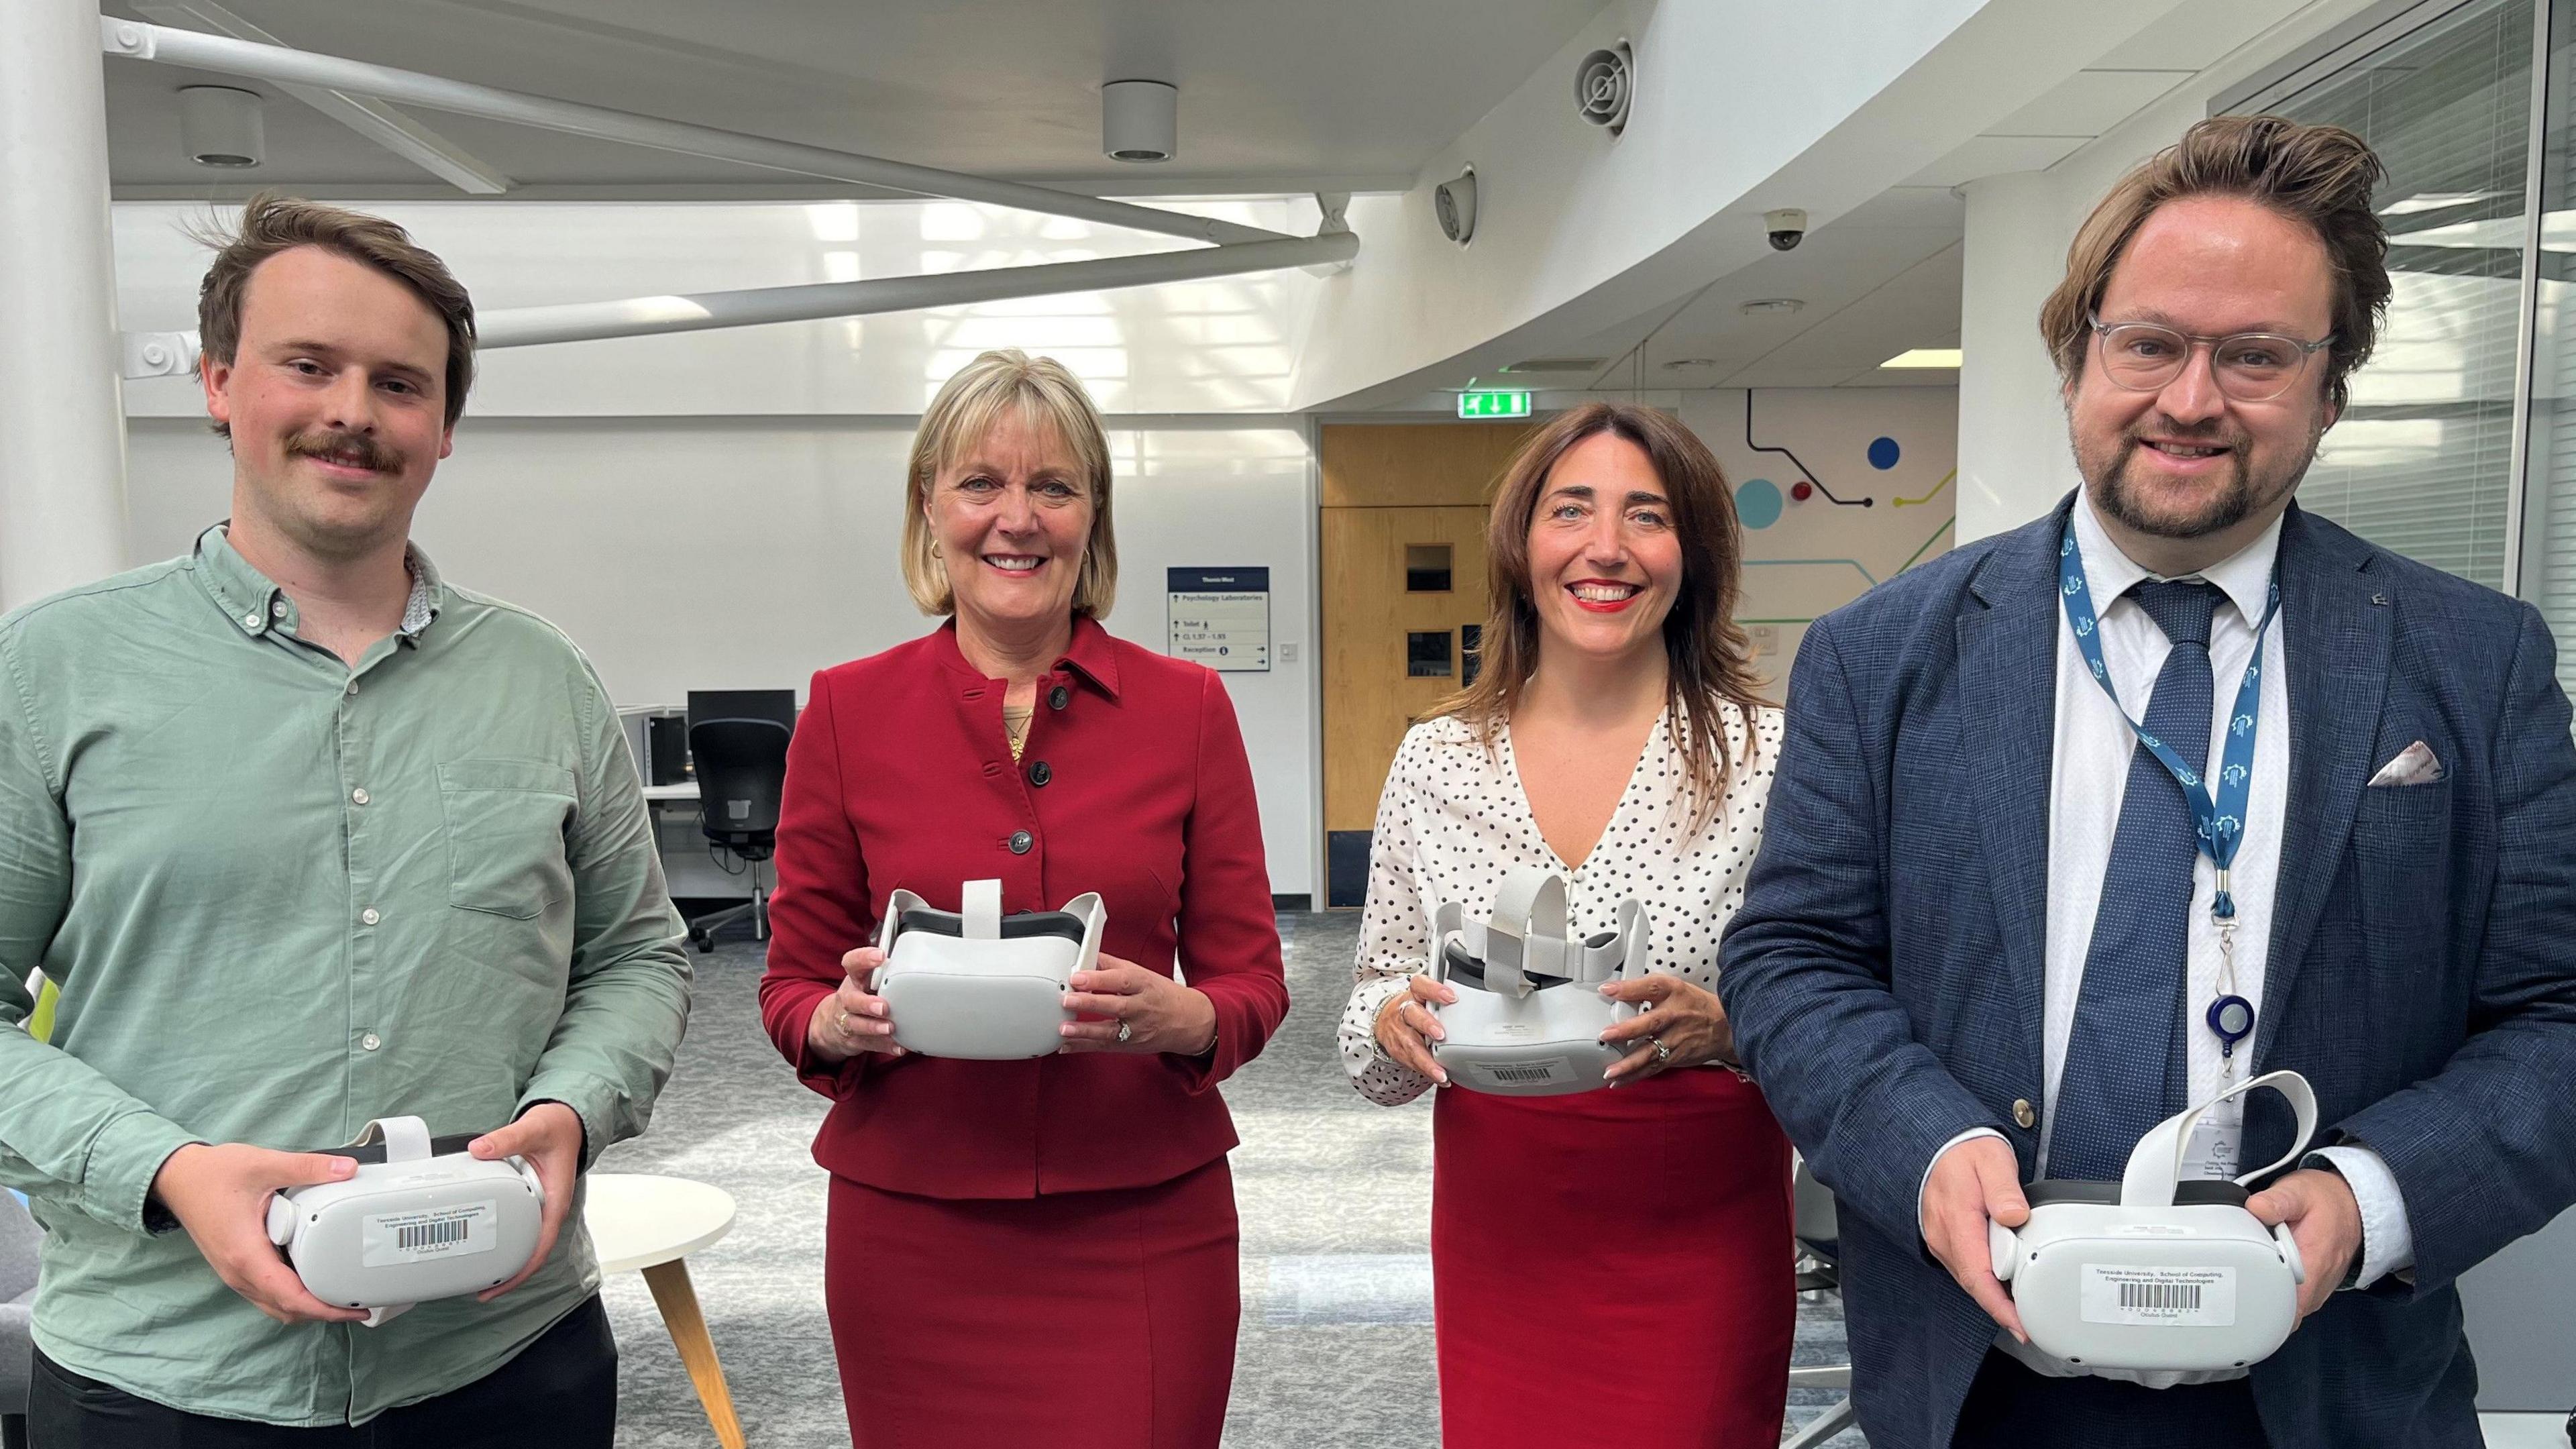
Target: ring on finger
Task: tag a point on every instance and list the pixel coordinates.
(1124, 1032)
(1663, 1053)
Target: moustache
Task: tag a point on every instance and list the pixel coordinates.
(2200, 435)
(350, 449)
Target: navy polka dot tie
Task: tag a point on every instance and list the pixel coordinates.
(2127, 1067)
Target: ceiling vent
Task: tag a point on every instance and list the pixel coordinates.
(1604, 84)
(1559, 364)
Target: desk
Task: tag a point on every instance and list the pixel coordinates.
(650, 1225)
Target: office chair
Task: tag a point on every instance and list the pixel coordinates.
(741, 766)
(1814, 1226)
(19, 1240)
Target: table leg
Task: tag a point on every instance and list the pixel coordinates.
(679, 1304)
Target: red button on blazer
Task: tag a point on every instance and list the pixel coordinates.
(1132, 783)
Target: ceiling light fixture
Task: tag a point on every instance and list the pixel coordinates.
(1925, 357)
(1140, 120)
(1769, 304)
(220, 126)
(1681, 364)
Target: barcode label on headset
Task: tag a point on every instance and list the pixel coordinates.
(387, 1240)
(2176, 1297)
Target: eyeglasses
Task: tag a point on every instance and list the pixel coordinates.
(2250, 366)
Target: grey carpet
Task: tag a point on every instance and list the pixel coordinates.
(1335, 1195)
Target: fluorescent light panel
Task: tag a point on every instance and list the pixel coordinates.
(1924, 357)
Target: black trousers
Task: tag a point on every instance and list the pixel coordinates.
(560, 1392)
(2010, 1407)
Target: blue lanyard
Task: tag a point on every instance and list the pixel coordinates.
(2219, 821)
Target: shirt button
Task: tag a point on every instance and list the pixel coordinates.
(1040, 773)
(358, 796)
(1059, 697)
(251, 619)
(277, 610)
(371, 1041)
(369, 916)
(353, 687)
(2024, 1116)
(1021, 841)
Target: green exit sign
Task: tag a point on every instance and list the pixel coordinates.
(1493, 404)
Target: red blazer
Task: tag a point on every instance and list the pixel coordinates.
(1133, 783)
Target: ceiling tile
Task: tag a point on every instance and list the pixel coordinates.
(1995, 155)
(2089, 103)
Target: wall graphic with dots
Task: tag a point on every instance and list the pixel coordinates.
(1837, 489)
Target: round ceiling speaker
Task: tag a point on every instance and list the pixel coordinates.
(1604, 84)
(1140, 120)
(220, 126)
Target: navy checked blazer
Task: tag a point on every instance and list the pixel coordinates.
(1885, 973)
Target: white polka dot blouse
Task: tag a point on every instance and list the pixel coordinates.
(1453, 821)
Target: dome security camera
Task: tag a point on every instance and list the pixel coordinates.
(1787, 226)
(1456, 203)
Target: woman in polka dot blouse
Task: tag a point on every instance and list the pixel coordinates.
(1611, 1267)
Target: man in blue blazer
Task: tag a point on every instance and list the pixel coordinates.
(1984, 937)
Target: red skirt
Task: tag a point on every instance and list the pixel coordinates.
(1085, 1320)
(1612, 1267)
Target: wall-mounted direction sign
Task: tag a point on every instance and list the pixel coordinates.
(1220, 617)
(1493, 404)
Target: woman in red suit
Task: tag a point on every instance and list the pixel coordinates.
(1610, 1267)
(1039, 1251)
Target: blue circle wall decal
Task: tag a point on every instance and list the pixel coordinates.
(1883, 453)
(1757, 503)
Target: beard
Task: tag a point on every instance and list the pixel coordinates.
(2251, 484)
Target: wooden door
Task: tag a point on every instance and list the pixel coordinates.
(1403, 567)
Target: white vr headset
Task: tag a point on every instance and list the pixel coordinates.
(1529, 1014)
(980, 985)
(418, 1220)
(2154, 1273)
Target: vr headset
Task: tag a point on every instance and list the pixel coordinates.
(418, 1220)
(2152, 1273)
(1529, 1014)
(977, 984)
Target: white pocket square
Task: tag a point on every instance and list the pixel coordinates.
(2414, 765)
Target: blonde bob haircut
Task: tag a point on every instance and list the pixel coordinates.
(968, 406)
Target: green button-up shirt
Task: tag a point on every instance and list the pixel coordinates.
(282, 897)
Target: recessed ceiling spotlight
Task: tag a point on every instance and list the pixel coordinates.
(1769, 304)
(1140, 120)
(220, 126)
(1680, 364)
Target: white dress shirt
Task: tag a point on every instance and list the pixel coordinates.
(1453, 821)
(2089, 774)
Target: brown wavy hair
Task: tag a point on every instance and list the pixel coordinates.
(1710, 658)
(273, 223)
(2320, 176)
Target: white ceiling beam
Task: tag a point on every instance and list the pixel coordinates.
(172, 354)
(140, 41)
(647, 316)
(374, 120)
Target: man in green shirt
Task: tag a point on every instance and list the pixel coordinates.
(307, 837)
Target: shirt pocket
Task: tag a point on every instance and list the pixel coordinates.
(505, 835)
